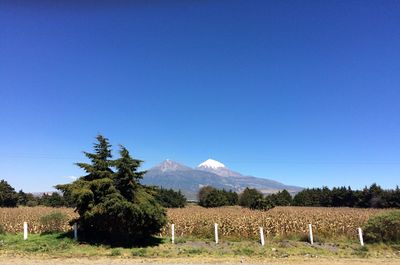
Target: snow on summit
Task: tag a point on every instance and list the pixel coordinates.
(211, 163)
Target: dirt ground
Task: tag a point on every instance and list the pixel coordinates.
(193, 261)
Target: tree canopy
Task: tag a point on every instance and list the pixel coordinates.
(254, 199)
(281, 198)
(8, 195)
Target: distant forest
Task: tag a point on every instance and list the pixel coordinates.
(372, 197)
(369, 197)
(10, 198)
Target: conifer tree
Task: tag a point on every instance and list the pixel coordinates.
(100, 160)
(127, 177)
(8, 195)
(113, 206)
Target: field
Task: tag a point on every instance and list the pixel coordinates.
(234, 222)
(285, 228)
(12, 219)
(280, 222)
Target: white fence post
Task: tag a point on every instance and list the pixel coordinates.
(262, 236)
(173, 233)
(360, 236)
(216, 233)
(311, 234)
(25, 230)
(75, 231)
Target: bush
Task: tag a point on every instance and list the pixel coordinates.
(139, 252)
(2, 230)
(115, 252)
(383, 228)
(53, 222)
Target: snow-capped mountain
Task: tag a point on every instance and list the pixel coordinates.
(170, 174)
(211, 165)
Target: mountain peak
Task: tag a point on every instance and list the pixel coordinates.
(211, 163)
(213, 166)
(170, 165)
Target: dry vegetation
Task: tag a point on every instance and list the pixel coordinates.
(12, 219)
(234, 222)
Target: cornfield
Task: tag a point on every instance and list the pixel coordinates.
(12, 219)
(234, 222)
(237, 222)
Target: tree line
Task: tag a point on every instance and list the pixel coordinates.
(369, 197)
(10, 198)
(251, 198)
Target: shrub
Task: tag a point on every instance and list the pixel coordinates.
(53, 222)
(383, 228)
(115, 252)
(139, 252)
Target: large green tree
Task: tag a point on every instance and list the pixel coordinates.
(211, 197)
(249, 197)
(281, 198)
(52, 200)
(253, 199)
(127, 176)
(112, 205)
(8, 195)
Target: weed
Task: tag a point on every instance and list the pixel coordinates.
(53, 222)
(243, 251)
(139, 252)
(115, 252)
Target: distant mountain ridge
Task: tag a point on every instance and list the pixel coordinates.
(171, 174)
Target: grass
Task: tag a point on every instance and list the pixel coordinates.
(57, 245)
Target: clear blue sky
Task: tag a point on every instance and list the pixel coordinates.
(303, 92)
